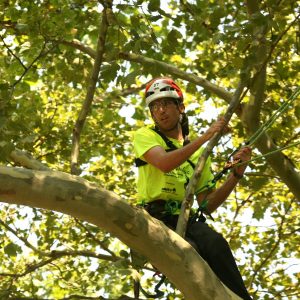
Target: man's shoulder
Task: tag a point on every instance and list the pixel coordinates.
(146, 131)
(147, 137)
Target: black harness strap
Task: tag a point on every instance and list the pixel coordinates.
(139, 162)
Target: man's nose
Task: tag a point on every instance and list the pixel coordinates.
(161, 107)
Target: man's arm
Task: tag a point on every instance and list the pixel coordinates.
(218, 196)
(168, 161)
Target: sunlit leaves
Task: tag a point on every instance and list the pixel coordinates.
(37, 114)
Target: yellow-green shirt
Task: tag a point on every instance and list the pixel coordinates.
(153, 184)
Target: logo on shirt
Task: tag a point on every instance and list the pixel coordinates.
(169, 190)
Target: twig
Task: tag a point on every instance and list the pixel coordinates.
(12, 53)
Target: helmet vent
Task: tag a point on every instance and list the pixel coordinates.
(167, 88)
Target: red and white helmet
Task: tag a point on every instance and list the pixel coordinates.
(162, 87)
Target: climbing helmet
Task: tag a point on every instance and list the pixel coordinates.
(163, 87)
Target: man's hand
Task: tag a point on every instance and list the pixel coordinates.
(218, 126)
(243, 155)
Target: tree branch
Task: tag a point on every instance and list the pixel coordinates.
(222, 93)
(53, 255)
(103, 246)
(251, 117)
(275, 245)
(190, 190)
(26, 160)
(79, 46)
(89, 96)
(12, 53)
(80, 198)
(167, 68)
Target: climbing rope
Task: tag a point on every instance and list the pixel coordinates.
(263, 128)
(212, 183)
(273, 118)
(267, 154)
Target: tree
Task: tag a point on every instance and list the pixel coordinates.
(69, 71)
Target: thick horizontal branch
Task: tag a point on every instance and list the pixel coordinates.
(24, 159)
(77, 197)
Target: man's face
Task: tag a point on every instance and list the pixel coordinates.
(166, 113)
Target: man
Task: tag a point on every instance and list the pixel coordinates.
(166, 161)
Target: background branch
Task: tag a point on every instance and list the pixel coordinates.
(89, 96)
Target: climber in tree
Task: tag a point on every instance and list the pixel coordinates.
(166, 159)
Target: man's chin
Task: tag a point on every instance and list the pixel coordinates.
(167, 128)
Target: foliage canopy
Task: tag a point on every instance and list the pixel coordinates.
(49, 51)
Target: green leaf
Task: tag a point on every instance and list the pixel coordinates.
(297, 111)
(173, 37)
(130, 78)
(109, 71)
(5, 149)
(124, 254)
(12, 249)
(154, 5)
(108, 117)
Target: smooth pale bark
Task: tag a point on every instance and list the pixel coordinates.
(24, 159)
(77, 197)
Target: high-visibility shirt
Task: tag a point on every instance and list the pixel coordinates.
(152, 183)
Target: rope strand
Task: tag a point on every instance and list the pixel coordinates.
(264, 127)
(273, 118)
(267, 154)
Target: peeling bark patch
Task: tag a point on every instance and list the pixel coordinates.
(173, 256)
(128, 226)
(15, 172)
(60, 199)
(7, 192)
(78, 198)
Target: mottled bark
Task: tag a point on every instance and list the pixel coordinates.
(75, 196)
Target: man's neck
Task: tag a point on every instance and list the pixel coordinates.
(175, 133)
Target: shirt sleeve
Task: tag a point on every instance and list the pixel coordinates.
(143, 140)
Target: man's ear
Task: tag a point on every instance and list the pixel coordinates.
(181, 107)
